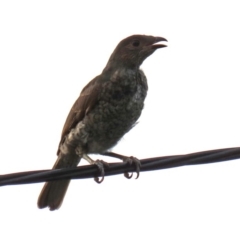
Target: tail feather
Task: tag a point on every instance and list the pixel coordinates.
(53, 193)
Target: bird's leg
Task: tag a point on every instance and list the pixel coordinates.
(99, 163)
(126, 159)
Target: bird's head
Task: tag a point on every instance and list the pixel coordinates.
(133, 50)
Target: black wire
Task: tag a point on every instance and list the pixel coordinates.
(148, 164)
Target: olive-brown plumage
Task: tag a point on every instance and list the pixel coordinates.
(107, 108)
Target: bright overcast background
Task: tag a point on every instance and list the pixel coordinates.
(49, 50)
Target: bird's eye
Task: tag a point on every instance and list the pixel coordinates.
(136, 43)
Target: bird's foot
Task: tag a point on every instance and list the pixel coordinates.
(132, 160)
(100, 164)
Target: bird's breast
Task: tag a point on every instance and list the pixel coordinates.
(120, 105)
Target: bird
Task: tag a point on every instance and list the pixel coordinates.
(106, 109)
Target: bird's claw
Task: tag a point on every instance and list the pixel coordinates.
(100, 164)
(132, 160)
(127, 175)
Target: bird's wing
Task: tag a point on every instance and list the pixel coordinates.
(85, 102)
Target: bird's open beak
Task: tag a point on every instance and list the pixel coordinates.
(158, 39)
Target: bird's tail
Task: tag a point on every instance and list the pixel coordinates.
(53, 193)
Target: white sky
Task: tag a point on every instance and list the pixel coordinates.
(49, 50)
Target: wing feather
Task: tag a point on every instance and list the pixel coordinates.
(85, 103)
